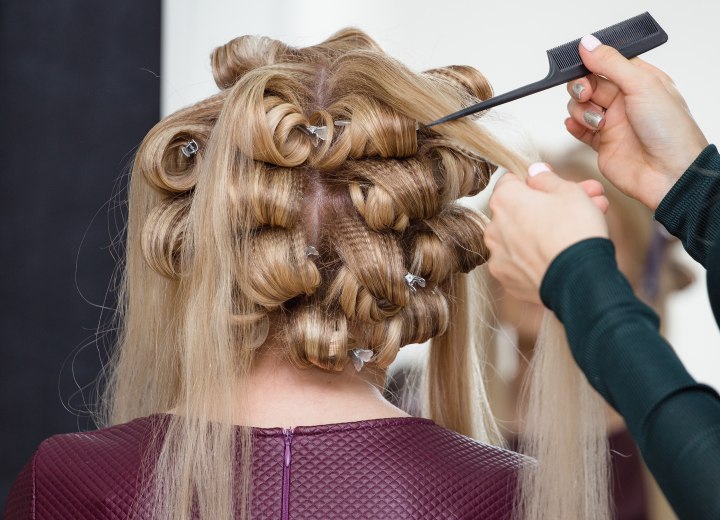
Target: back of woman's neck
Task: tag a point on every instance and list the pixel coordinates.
(279, 394)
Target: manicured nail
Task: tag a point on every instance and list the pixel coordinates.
(590, 42)
(592, 118)
(577, 89)
(537, 168)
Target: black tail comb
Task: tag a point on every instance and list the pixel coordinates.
(632, 37)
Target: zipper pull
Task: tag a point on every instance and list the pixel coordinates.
(288, 439)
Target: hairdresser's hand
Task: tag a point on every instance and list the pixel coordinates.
(534, 220)
(647, 137)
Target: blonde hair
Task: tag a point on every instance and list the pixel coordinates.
(216, 266)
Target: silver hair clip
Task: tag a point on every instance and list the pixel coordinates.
(360, 356)
(311, 251)
(320, 133)
(412, 279)
(190, 148)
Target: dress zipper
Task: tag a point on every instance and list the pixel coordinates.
(286, 474)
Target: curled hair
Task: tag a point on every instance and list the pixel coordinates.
(160, 159)
(314, 191)
(162, 236)
(389, 193)
(278, 269)
(317, 339)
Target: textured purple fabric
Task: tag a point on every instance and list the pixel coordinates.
(396, 468)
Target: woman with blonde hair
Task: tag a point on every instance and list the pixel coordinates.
(286, 237)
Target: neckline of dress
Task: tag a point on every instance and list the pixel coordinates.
(324, 428)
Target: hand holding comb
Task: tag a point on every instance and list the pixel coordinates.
(632, 37)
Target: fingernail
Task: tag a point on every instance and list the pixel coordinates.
(577, 89)
(590, 42)
(592, 118)
(537, 168)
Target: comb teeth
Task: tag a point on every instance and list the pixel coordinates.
(619, 36)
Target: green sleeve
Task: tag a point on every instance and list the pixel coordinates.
(615, 340)
(691, 209)
(691, 212)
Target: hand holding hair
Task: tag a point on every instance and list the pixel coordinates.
(533, 221)
(631, 114)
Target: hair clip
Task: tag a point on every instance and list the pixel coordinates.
(311, 251)
(190, 148)
(318, 133)
(412, 279)
(360, 356)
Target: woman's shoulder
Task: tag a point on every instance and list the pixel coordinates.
(407, 441)
(80, 475)
(93, 449)
(490, 457)
(481, 478)
(455, 453)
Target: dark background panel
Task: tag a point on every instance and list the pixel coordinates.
(79, 89)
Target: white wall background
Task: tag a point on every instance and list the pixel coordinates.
(507, 42)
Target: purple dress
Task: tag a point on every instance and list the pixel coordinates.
(395, 468)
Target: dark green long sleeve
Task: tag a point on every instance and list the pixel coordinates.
(615, 340)
(691, 212)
